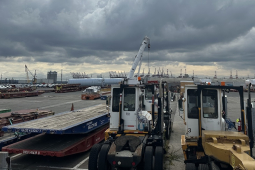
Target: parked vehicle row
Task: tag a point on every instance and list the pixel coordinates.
(9, 86)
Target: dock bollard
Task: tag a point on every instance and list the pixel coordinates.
(5, 161)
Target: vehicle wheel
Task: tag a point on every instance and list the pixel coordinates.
(190, 166)
(158, 158)
(102, 159)
(213, 166)
(148, 158)
(167, 132)
(204, 167)
(93, 156)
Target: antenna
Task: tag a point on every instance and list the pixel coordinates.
(236, 75)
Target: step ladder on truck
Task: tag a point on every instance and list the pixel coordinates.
(208, 143)
(138, 130)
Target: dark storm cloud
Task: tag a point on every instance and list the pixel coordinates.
(99, 32)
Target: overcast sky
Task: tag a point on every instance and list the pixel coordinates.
(98, 36)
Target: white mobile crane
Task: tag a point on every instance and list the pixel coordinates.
(135, 139)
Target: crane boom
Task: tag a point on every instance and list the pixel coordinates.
(146, 41)
(33, 75)
(27, 73)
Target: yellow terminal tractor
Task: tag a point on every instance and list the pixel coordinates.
(207, 144)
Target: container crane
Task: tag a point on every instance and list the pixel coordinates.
(34, 80)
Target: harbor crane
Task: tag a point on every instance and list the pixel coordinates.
(34, 80)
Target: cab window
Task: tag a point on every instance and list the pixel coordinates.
(210, 103)
(148, 93)
(116, 99)
(192, 100)
(129, 99)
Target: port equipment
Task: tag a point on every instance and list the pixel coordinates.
(19, 116)
(136, 137)
(10, 138)
(64, 88)
(65, 123)
(34, 79)
(11, 95)
(66, 133)
(90, 93)
(15, 117)
(207, 142)
(57, 145)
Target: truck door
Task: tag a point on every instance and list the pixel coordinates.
(210, 110)
(129, 109)
(114, 108)
(148, 99)
(191, 112)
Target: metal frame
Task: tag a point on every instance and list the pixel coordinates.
(81, 146)
(83, 127)
(238, 88)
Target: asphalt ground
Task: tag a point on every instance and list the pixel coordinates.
(61, 102)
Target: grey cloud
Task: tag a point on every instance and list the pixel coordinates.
(99, 32)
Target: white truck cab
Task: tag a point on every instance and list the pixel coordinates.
(211, 110)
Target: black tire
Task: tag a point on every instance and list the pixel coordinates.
(190, 166)
(102, 159)
(148, 158)
(213, 166)
(159, 158)
(167, 132)
(93, 156)
(203, 167)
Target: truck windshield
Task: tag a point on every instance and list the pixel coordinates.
(116, 99)
(148, 93)
(210, 103)
(89, 91)
(129, 99)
